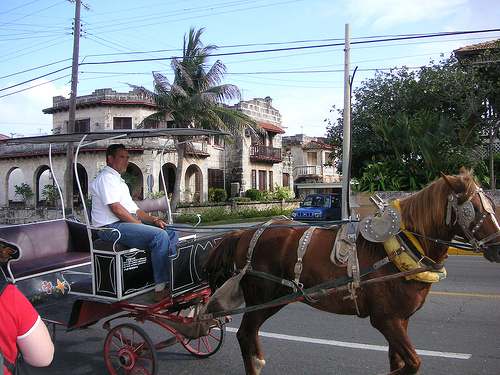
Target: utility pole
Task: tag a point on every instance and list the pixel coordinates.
(346, 146)
(68, 175)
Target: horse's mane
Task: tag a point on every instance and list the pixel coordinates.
(427, 208)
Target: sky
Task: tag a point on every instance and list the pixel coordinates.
(290, 50)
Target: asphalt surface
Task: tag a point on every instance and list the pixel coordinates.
(456, 332)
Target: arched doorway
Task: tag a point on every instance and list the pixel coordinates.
(135, 181)
(193, 183)
(84, 182)
(15, 177)
(169, 173)
(43, 181)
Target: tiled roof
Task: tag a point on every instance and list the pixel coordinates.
(3, 136)
(315, 145)
(270, 127)
(493, 44)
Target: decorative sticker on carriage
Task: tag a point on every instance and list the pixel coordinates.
(7, 252)
(49, 288)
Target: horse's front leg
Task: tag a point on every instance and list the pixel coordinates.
(403, 358)
(248, 338)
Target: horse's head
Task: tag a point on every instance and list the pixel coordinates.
(474, 213)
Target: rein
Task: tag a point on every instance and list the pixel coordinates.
(314, 293)
(464, 215)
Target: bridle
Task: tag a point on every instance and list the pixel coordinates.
(465, 214)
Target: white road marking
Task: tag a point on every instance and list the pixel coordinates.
(380, 348)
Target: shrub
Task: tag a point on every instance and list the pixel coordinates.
(24, 191)
(51, 194)
(217, 195)
(157, 195)
(214, 214)
(267, 196)
(253, 194)
(282, 192)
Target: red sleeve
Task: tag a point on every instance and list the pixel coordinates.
(25, 313)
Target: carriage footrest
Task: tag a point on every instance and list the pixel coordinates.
(82, 287)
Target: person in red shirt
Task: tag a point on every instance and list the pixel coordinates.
(21, 327)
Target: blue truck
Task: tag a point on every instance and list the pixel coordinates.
(319, 207)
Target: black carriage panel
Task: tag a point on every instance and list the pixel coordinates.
(186, 266)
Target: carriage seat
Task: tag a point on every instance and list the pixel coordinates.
(185, 233)
(47, 246)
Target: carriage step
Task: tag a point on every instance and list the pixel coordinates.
(82, 287)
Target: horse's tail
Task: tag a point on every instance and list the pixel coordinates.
(218, 266)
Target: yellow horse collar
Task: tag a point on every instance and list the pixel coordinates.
(405, 258)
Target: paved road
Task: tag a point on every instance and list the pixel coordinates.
(457, 332)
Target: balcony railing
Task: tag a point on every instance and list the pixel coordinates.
(265, 153)
(312, 171)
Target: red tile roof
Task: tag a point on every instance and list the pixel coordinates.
(315, 145)
(2, 136)
(493, 44)
(270, 127)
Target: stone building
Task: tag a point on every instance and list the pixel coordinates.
(249, 162)
(313, 169)
(256, 160)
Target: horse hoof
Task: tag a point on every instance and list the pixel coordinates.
(258, 364)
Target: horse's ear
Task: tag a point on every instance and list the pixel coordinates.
(448, 180)
(463, 170)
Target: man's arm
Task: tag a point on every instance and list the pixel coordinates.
(122, 214)
(141, 215)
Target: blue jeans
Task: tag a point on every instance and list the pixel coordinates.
(161, 243)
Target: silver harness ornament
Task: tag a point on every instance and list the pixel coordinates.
(465, 214)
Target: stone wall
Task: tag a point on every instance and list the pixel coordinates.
(9, 216)
(361, 205)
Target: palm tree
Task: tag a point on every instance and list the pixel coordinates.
(195, 98)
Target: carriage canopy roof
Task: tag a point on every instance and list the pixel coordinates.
(102, 135)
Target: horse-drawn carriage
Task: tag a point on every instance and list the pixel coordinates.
(62, 263)
(381, 267)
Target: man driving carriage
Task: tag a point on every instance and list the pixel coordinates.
(113, 207)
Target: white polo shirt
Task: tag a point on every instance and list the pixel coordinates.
(108, 187)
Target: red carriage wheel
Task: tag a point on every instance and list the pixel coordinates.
(207, 345)
(128, 350)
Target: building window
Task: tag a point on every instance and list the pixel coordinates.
(312, 158)
(122, 123)
(286, 180)
(262, 180)
(254, 179)
(82, 126)
(215, 179)
(271, 181)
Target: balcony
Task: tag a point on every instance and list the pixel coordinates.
(316, 172)
(265, 154)
(200, 149)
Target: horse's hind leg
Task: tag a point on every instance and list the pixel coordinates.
(403, 358)
(248, 338)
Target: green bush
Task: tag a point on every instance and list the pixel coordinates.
(242, 199)
(282, 192)
(51, 194)
(254, 194)
(24, 191)
(267, 196)
(217, 195)
(214, 214)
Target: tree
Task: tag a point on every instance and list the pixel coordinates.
(24, 191)
(195, 98)
(430, 118)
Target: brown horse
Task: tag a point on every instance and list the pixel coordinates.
(389, 304)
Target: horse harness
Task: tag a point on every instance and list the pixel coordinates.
(465, 213)
(386, 227)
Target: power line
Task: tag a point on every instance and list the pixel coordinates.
(381, 40)
(370, 40)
